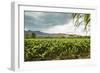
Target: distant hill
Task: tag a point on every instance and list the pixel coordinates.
(39, 33)
(42, 34)
(30, 34)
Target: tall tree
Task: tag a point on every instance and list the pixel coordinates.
(33, 35)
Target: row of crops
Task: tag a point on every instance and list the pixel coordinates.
(56, 49)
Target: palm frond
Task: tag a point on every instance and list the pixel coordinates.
(79, 18)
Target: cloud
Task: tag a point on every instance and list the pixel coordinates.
(66, 28)
(38, 21)
(51, 22)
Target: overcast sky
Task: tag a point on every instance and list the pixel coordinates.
(51, 22)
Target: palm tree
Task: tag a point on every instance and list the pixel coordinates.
(80, 19)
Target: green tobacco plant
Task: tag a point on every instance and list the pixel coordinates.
(56, 49)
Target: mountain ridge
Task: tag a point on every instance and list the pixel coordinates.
(43, 33)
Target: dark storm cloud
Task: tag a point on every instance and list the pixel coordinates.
(41, 20)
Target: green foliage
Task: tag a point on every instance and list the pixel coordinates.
(33, 35)
(56, 49)
(80, 19)
(29, 35)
